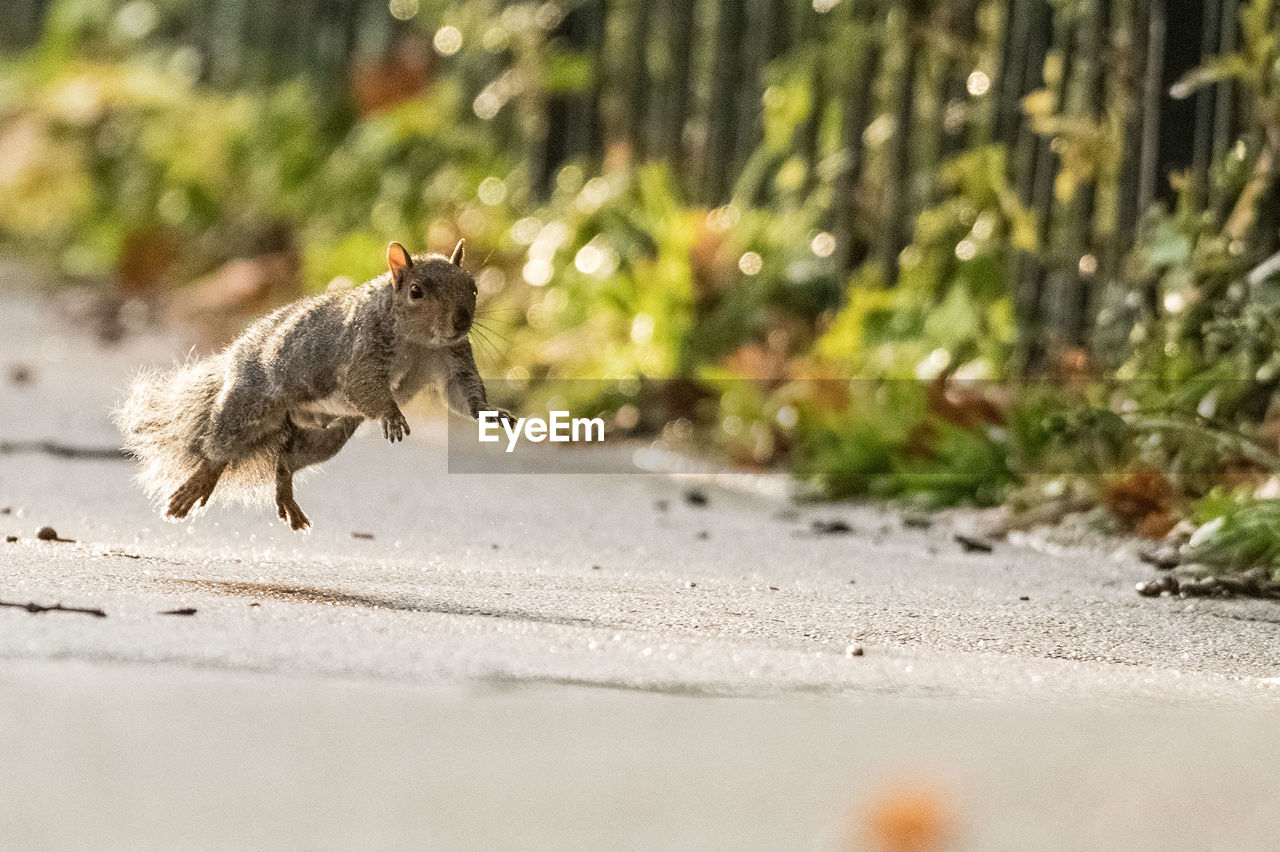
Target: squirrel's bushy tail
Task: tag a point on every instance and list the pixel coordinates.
(165, 420)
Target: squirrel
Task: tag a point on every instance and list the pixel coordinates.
(291, 390)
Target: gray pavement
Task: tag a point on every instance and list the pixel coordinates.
(430, 685)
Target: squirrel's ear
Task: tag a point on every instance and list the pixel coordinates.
(458, 251)
(398, 261)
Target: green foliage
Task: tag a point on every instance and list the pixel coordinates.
(887, 439)
(1056, 431)
(1202, 374)
(950, 303)
(1246, 534)
(855, 461)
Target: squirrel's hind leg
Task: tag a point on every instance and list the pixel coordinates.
(286, 507)
(303, 448)
(306, 447)
(197, 489)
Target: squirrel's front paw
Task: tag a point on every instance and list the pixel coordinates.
(503, 416)
(395, 427)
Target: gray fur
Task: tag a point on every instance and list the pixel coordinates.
(292, 389)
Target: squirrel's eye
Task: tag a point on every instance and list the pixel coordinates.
(415, 292)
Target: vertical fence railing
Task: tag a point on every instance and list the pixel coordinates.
(248, 42)
(20, 22)
(682, 81)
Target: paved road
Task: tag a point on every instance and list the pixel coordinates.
(432, 680)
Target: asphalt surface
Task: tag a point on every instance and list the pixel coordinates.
(431, 680)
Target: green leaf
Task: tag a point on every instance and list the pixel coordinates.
(566, 73)
(1169, 247)
(1215, 70)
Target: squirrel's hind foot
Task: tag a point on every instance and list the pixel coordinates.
(395, 427)
(289, 511)
(197, 489)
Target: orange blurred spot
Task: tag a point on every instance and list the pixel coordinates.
(908, 818)
(394, 79)
(711, 263)
(1069, 364)
(1145, 501)
(964, 404)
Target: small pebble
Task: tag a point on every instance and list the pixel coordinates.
(190, 610)
(10, 539)
(853, 651)
(1193, 589)
(696, 497)
(703, 535)
(1238, 585)
(1024, 598)
(1164, 557)
(20, 374)
(47, 534)
(970, 544)
(1153, 588)
(595, 567)
(831, 527)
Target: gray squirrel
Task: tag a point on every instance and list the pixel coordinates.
(291, 390)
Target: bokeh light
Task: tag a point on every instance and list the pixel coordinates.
(492, 191)
(588, 259)
(642, 329)
(403, 9)
(537, 272)
(447, 41)
(823, 245)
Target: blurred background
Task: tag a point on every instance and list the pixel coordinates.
(1039, 236)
